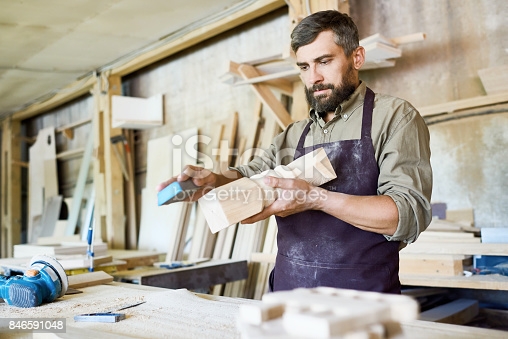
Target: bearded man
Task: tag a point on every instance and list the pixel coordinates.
(346, 233)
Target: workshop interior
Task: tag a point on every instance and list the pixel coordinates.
(115, 115)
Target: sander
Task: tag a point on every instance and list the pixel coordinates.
(43, 281)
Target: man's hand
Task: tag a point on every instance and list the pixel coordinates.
(199, 176)
(294, 195)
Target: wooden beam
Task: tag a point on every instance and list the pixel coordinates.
(11, 188)
(452, 106)
(266, 96)
(115, 216)
(66, 94)
(483, 282)
(456, 248)
(73, 125)
(257, 9)
(457, 312)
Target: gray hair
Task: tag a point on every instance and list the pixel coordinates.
(343, 27)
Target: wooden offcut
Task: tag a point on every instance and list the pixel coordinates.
(245, 197)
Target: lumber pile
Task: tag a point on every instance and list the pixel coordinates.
(440, 233)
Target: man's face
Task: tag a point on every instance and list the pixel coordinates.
(329, 76)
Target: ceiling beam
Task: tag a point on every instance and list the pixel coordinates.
(64, 95)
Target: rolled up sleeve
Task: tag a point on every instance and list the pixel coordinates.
(406, 175)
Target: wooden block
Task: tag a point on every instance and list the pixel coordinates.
(457, 312)
(82, 261)
(136, 113)
(426, 264)
(257, 313)
(89, 279)
(242, 198)
(231, 203)
(326, 312)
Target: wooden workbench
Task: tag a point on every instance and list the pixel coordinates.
(177, 314)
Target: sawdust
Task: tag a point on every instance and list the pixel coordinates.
(166, 313)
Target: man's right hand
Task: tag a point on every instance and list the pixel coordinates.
(200, 177)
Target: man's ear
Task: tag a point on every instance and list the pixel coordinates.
(358, 57)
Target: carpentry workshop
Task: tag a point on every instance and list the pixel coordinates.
(250, 169)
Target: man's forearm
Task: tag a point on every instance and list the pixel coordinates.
(377, 213)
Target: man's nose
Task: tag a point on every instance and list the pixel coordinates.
(315, 77)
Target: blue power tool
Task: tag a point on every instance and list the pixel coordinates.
(44, 281)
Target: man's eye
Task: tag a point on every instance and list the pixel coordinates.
(304, 68)
(324, 62)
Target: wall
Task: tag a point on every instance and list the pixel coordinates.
(194, 95)
(469, 156)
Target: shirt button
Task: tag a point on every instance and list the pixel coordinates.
(345, 116)
(325, 131)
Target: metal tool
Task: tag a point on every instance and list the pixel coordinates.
(105, 317)
(44, 281)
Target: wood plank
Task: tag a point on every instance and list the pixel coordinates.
(300, 107)
(458, 105)
(162, 226)
(457, 312)
(115, 215)
(43, 181)
(420, 329)
(73, 125)
(130, 193)
(430, 266)
(79, 189)
(99, 185)
(198, 276)
(266, 96)
(89, 279)
(485, 282)
(456, 248)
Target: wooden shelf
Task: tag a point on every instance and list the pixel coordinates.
(485, 282)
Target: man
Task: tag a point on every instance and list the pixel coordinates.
(346, 233)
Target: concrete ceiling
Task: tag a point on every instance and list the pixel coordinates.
(46, 45)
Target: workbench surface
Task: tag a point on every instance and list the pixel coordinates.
(176, 314)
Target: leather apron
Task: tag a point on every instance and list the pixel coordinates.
(317, 249)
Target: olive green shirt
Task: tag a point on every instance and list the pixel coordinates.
(401, 144)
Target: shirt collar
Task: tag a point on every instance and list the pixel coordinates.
(346, 108)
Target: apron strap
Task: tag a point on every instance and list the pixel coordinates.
(368, 107)
(301, 142)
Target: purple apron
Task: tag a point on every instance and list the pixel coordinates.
(317, 249)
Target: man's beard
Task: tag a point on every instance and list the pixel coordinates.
(328, 103)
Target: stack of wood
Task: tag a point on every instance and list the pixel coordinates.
(439, 233)
(420, 258)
